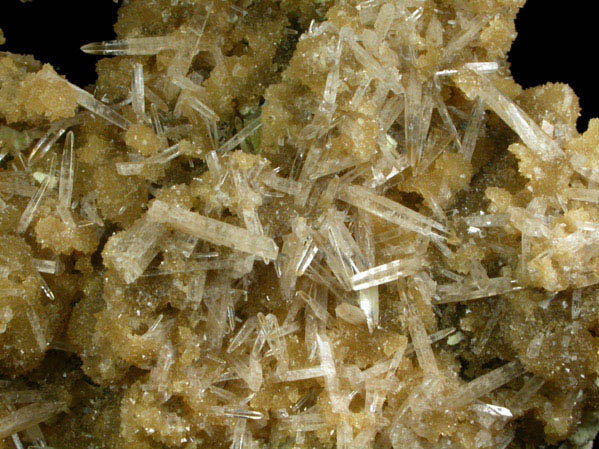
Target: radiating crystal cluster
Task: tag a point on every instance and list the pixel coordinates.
(297, 224)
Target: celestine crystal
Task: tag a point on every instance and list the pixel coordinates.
(297, 224)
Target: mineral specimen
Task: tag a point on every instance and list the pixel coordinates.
(297, 224)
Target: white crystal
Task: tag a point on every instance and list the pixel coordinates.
(65, 186)
(87, 101)
(140, 46)
(467, 291)
(389, 210)
(132, 250)
(473, 129)
(34, 203)
(421, 341)
(29, 416)
(138, 98)
(487, 383)
(46, 266)
(234, 141)
(581, 194)
(302, 374)
(285, 185)
(385, 273)
(530, 133)
(214, 231)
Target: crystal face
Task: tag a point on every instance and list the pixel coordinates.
(300, 224)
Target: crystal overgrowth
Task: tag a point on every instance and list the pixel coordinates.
(331, 224)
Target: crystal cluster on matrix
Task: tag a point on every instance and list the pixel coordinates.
(279, 224)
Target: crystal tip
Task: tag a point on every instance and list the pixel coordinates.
(94, 48)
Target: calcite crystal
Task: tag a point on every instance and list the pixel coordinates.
(297, 224)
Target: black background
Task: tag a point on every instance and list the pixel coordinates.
(556, 42)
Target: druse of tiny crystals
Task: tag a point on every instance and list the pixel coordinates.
(297, 224)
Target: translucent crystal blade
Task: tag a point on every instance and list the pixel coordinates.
(33, 205)
(368, 299)
(87, 101)
(141, 46)
(39, 333)
(138, 92)
(468, 291)
(479, 67)
(45, 144)
(132, 250)
(373, 67)
(285, 185)
(297, 253)
(487, 220)
(382, 274)
(136, 168)
(331, 380)
(246, 330)
(302, 374)
(445, 117)
(487, 383)
(486, 333)
(156, 121)
(29, 416)
(204, 111)
(524, 395)
(214, 231)
(470, 31)
(530, 133)
(413, 118)
(389, 210)
(65, 185)
(195, 291)
(473, 129)
(240, 413)
(234, 141)
(421, 341)
(318, 309)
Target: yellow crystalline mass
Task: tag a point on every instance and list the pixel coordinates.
(142, 139)
(279, 224)
(32, 96)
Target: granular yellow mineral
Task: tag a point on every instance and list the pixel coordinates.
(277, 224)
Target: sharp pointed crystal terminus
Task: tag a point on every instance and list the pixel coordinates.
(214, 231)
(34, 203)
(89, 102)
(390, 210)
(140, 46)
(45, 144)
